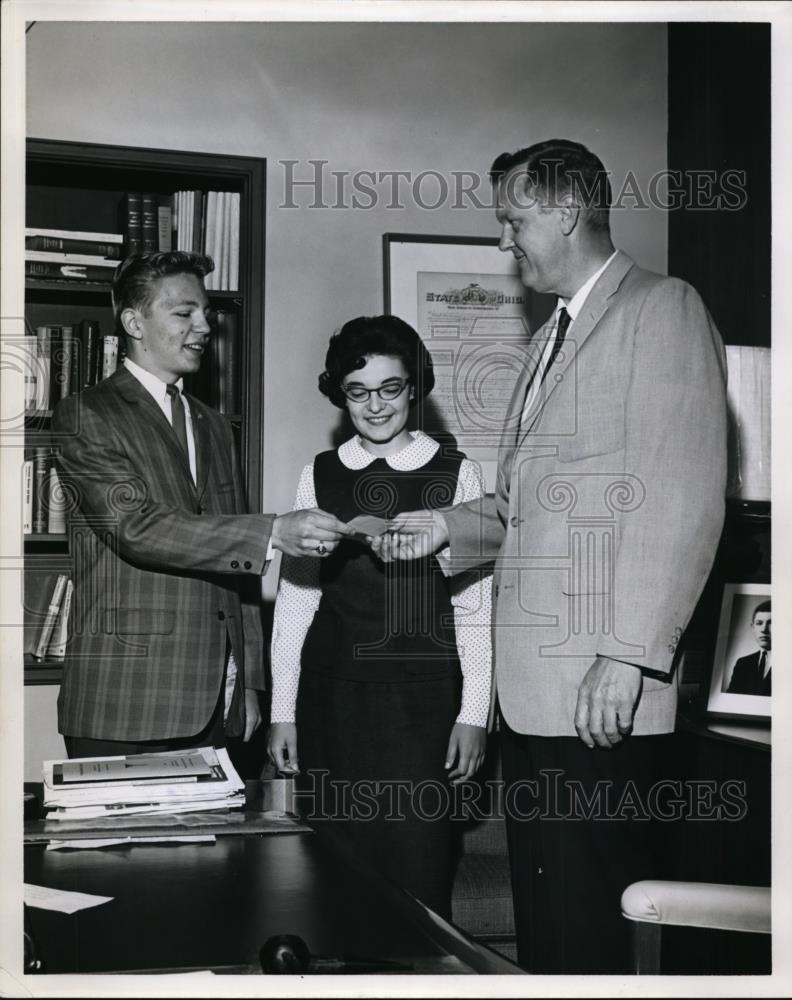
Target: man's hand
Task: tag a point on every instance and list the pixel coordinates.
(465, 748)
(282, 746)
(606, 702)
(252, 713)
(307, 533)
(412, 535)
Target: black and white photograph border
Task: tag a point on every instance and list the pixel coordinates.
(20, 17)
(740, 601)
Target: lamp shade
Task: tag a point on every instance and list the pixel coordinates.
(749, 422)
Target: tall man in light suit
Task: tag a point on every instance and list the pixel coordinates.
(608, 509)
(166, 649)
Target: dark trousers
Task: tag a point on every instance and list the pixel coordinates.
(579, 833)
(212, 735)
(371, 756)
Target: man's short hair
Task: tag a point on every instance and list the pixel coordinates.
(558, 167)
(133, 282)
(760, 609)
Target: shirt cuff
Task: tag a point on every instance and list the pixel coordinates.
(646, 671)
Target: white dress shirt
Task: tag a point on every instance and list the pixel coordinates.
(299, 594)
(573, 307)
(158, 390)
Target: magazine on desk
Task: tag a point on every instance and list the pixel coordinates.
(176, 781)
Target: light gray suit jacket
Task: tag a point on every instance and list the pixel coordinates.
(609, 502)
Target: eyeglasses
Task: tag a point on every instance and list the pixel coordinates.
(387, 391)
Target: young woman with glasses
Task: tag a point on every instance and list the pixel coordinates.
(381, 673)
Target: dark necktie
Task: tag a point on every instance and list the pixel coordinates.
(178, 420)
(761, 665)
(564, 319)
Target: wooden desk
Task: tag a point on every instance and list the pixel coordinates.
(212, 906)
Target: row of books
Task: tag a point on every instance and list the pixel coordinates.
(43, 500)
(200, 221)
(62, 360)
(67, 255)
(48, 642)
(197, 221)
(176, 781)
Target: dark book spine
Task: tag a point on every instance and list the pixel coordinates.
(219, 354)
(67, 347)
(40, 490)
(90, 337)
(150, 223)
(132, 222)
(60, 245)
(231, 365)
(67, 272)
(98, 359)
(56, 364)
(76, 372)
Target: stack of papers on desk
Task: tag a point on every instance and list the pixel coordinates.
(174, 782)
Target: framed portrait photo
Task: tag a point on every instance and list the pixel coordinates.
(741, 682)
(467, 302)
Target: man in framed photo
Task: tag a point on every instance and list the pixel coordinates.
(752, 674)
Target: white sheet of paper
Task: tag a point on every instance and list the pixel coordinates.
(78, 845)
(43, 898)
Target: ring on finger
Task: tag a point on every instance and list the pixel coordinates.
(321, 549)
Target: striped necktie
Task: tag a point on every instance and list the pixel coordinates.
(178, 420)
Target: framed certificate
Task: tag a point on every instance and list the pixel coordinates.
(466, 300)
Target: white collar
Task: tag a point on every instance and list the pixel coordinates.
(414, 455)
(575, 304)
(155, 386)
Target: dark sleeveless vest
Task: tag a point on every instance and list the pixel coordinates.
(382, 621)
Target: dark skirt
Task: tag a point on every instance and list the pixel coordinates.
(372, 760)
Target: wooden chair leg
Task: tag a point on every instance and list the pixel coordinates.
(645, 940)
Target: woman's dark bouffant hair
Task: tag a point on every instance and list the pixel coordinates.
(365, 336)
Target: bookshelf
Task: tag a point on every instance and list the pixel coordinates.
(80, 187)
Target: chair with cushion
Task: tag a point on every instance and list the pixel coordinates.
(652, 905)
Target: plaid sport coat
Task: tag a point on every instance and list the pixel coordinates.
(165, 571)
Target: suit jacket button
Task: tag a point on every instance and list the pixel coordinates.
(221, 615)
(234, 564)
(671, 649)
(248, 564)
(514, 521)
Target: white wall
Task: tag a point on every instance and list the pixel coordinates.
(361, 96)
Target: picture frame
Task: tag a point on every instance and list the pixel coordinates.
(740, 682)
(465, 298)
